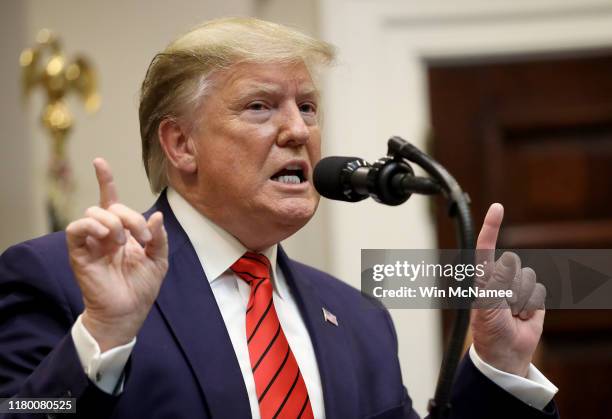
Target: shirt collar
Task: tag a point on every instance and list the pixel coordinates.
(217, 249)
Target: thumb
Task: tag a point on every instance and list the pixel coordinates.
(157, 247)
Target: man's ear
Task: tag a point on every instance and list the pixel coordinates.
(177, 145)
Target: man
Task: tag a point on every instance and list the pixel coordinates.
(193, 310)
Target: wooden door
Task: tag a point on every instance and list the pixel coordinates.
(535, 133)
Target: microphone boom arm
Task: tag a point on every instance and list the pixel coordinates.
(459, 209)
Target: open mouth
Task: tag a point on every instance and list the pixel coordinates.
(293, 174)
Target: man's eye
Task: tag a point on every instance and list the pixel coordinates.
(257, 106)
(308, 107)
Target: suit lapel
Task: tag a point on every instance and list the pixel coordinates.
(330, 343)
(188, 305)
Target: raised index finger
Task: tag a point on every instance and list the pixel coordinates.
(487, 239)
(108, 191)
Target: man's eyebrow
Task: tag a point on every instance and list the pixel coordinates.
(273, 89)
(259, 88)
(309, 92)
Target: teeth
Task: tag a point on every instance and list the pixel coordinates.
(291, 179)
(293, 167)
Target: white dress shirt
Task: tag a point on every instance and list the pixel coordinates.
(217, 250)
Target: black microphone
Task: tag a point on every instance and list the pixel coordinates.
(351, 179)
(342, 178)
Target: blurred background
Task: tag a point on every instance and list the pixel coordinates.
(513, 96)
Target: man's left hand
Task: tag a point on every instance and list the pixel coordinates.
(507, 331)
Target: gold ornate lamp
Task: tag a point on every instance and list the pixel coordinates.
(46, 66)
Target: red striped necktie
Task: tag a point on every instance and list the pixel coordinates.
(281, 390)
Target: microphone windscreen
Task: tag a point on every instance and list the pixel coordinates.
(329, 179)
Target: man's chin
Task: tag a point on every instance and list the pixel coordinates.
(272, 224)
(295, 215)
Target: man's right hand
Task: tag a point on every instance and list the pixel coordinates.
(119, 260)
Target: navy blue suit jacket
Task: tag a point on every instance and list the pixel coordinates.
(183, 365)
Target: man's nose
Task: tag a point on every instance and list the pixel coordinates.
(294, 130)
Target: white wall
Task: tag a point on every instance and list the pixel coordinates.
(15, 149)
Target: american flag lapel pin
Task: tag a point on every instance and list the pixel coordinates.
(329, 317)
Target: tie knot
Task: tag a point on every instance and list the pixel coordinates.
(252, 267)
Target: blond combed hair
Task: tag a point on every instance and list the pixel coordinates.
(178, 78)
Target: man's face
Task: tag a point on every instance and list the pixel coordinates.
(256, 143)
